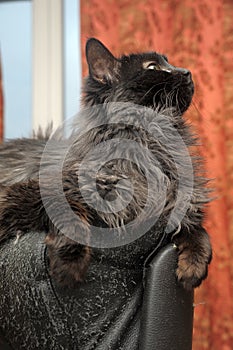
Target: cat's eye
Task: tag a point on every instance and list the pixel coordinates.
(151, 65)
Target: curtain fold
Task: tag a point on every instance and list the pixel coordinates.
(197, 35)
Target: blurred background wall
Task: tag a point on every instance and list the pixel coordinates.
(194, 34)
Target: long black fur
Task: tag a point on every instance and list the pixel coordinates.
(114, 96)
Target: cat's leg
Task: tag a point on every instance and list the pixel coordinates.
(195, 253)
(68, 260)
(22, 210)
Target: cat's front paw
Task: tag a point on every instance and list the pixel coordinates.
(193, 260)
(68, 262)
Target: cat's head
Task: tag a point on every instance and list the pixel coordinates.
(146, 79)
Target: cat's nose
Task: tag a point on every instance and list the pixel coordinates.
(177, 70)
(184, 71)
(187, 75)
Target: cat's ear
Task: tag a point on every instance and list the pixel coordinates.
(103, 66)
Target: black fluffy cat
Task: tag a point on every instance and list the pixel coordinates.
(139, 98)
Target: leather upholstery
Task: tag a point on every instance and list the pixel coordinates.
(103, 313)
(167, 312)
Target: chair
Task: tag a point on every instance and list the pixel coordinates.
(167, 311)
(148, 311)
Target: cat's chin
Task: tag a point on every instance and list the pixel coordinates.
(183, 109)
(185, 99)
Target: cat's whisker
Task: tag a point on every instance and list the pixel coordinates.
(154, 97)
(177, 101)
(168, 99)
(149, 90)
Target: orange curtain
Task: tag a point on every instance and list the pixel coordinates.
(197, 35)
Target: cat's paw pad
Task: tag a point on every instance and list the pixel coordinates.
(192, 266)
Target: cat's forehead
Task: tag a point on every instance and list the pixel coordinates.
(138, 59)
